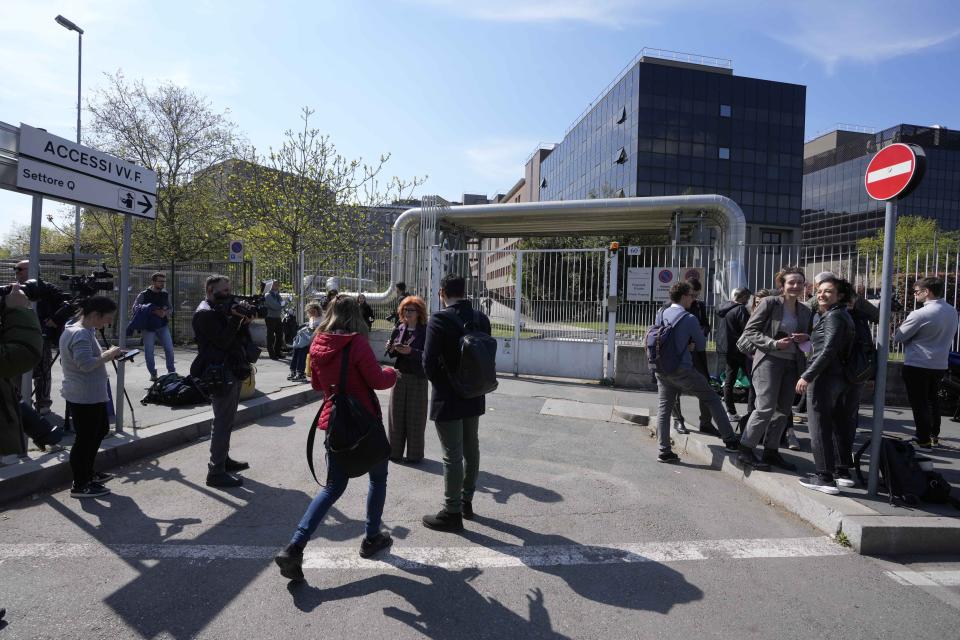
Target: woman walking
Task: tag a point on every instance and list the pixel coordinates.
(85, 390)
(408, 400)
(825, 383)
(776, 329)
(342, 327)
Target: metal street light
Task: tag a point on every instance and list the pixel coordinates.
(67, 24)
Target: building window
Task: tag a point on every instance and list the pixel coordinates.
(621, 156)
(623, 116)
(725, 111)
(770, 240)
(724, 153)
(543, 183)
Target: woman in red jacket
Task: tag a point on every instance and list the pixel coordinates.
(342, 324)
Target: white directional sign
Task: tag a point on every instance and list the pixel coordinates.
(639, 284)
(62, 184)
(68, 171)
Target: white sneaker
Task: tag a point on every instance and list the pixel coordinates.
(793, 443)
(845, 482)
(733, 417)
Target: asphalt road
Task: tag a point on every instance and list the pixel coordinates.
(579, 534)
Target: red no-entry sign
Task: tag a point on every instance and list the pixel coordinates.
(894, 171)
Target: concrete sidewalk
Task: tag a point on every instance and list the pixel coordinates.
(870, 524)
(157, 427)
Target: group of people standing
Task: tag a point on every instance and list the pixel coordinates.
(789, 347)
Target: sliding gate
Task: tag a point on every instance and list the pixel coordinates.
(547, 307)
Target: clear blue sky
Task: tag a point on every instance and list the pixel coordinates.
(463, 91)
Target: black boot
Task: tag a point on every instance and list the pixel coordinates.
(774, 459)
(748, 460)
(444, 521)
(467, 509)
(232, 465)
(290, 561)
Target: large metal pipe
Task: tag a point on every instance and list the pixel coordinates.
(565, 217)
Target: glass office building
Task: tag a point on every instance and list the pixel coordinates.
(836, 208)
(669, 127)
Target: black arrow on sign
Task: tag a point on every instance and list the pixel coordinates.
(145, 203)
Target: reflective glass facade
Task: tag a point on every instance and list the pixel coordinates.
(678, 130)
(836, 208)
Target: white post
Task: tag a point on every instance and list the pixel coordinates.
(611, 364)
(121, 323)
(883, 345)
(517, 312)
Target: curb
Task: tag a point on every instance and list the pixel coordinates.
(867, 531)
(28, 478)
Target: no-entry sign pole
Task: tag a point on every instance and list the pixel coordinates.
(883, 345)
(892, 173)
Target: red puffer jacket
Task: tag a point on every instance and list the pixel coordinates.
(363, 373)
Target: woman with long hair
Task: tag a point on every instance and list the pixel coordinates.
(85, 390)
(825, 383)
(342, 326)
(408, 400)
(776, 329)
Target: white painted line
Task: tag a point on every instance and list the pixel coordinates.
(888, 172)
(400, 557)
(925, 578)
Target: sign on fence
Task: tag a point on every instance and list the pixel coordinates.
(663, 279)
(639, 284)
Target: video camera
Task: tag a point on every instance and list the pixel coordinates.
(248, 306)
(83, 286)
(33, 289)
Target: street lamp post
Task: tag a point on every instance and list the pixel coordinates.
(67, 24)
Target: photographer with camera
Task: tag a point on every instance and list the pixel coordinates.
(49, 299)
(225, 351)
(21, 345)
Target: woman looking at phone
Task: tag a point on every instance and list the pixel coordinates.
(408, 400)
(779, 329)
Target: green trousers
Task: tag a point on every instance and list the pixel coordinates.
(459, 440)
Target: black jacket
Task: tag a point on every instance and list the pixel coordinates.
(441, 350)
(411, 364)
(221, 339)
(734, 316)
(832, 337)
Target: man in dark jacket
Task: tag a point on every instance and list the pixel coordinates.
(457, 418)
(735, 315)
(699, 311)
(222, 334)
(52, 315)
(155, 301)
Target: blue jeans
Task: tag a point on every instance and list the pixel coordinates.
(149, 337)
(298, 361)
(336, 485)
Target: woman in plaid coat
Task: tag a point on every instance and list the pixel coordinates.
(408, 400)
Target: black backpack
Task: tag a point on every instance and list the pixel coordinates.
(900, 472)
(173, 390)
(663, 356)
(355, 438)
(476, 375)
(861, 361)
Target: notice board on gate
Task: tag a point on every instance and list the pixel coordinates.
(663, 279)
(639, 284)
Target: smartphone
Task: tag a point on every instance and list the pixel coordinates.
(128, 355)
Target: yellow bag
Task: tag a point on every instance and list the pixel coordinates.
(306, 370)
(249, 386)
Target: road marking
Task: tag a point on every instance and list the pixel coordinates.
(888, 172)
(402, 557)
(925, 578)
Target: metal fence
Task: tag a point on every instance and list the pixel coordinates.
(186, 283)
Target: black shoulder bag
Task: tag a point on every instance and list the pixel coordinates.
(356, 440)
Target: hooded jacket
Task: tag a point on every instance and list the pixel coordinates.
(734, 316)
(364, 373)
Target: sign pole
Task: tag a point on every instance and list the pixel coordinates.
(613, 282)
(883, 345)
(121, 324)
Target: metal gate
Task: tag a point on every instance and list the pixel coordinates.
(557, 325)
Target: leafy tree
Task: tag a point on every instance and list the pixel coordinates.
(917, 239)
(179, 135)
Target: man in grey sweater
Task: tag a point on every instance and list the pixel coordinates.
(926, 335)
(688, 337)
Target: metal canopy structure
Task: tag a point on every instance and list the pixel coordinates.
(574, 217)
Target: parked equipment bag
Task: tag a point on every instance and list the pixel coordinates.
(41, 431)
(174, 390)
(356, 439)
(476, 375)
(663, 356)
(900, 472)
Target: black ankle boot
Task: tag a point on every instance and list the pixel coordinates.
(290, 561)
(444, 521)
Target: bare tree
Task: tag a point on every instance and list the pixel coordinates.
(179, 135)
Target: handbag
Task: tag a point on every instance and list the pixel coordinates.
(356, 439)
(303, 338)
